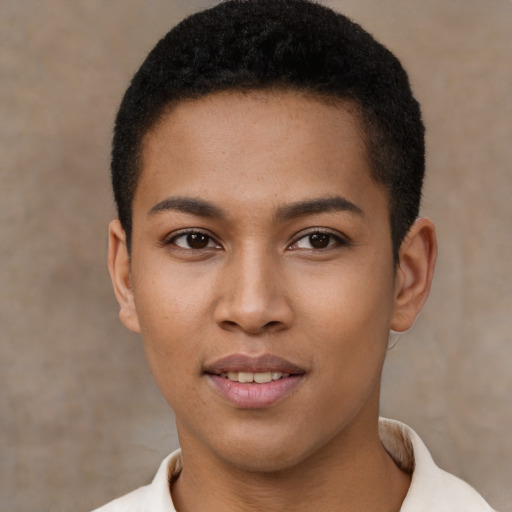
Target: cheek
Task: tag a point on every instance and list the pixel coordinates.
(348, 312)
(171, 313)
(168, 295)
(349, 293)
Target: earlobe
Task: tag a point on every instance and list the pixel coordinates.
(414, 275)
(120, 273)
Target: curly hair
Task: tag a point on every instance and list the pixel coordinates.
(287, 45)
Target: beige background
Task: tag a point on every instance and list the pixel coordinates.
(82, 421)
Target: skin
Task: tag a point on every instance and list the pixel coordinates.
(259, 286)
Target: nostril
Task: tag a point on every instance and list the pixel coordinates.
(253, 315)
(231, 325)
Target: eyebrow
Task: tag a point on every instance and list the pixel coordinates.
(193, 206)
(315, 206)
(202, 208)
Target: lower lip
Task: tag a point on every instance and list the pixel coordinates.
(253, 395)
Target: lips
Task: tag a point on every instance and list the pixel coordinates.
(250, 382)
(254, 364)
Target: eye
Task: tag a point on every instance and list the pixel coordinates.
(318, 240)
(194, 240)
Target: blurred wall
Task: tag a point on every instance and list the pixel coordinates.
(82, 421)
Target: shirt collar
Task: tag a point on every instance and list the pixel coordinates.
(431, 488)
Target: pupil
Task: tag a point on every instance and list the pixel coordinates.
(197, 241)
(319, 240)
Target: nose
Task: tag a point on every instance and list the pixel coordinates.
(253, 295)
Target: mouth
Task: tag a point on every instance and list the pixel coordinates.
(249, 382)
(258, 377)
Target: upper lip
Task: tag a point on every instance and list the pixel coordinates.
(252, 364)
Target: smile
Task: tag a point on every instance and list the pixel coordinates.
(254, 382)
(260, 377)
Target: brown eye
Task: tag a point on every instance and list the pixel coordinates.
(319, 240)
(194, 240)
(197, 240)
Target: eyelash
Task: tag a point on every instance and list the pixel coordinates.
(333, 240)
(190, 233)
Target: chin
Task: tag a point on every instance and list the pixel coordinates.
(265, 453)
(263, 460)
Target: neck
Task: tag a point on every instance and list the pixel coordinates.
(347, 475)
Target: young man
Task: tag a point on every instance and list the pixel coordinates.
(267, 166)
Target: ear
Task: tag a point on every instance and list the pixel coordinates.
(119, 267)
(417, 259)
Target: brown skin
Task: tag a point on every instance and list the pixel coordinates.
(258, 286)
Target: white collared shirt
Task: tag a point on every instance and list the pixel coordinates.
(431, 489)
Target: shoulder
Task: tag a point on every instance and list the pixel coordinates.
(432, 489)
(155, 497)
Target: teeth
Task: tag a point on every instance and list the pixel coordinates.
(245, 377)
(260, 377)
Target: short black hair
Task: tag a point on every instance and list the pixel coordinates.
(244, 45)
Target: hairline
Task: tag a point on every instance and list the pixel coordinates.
(349, 103)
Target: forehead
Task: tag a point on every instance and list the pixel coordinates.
(256, 144)
(273, 106)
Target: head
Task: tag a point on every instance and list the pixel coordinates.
(268, 159)
(279, 45)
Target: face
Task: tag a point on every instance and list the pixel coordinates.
(261, 276)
